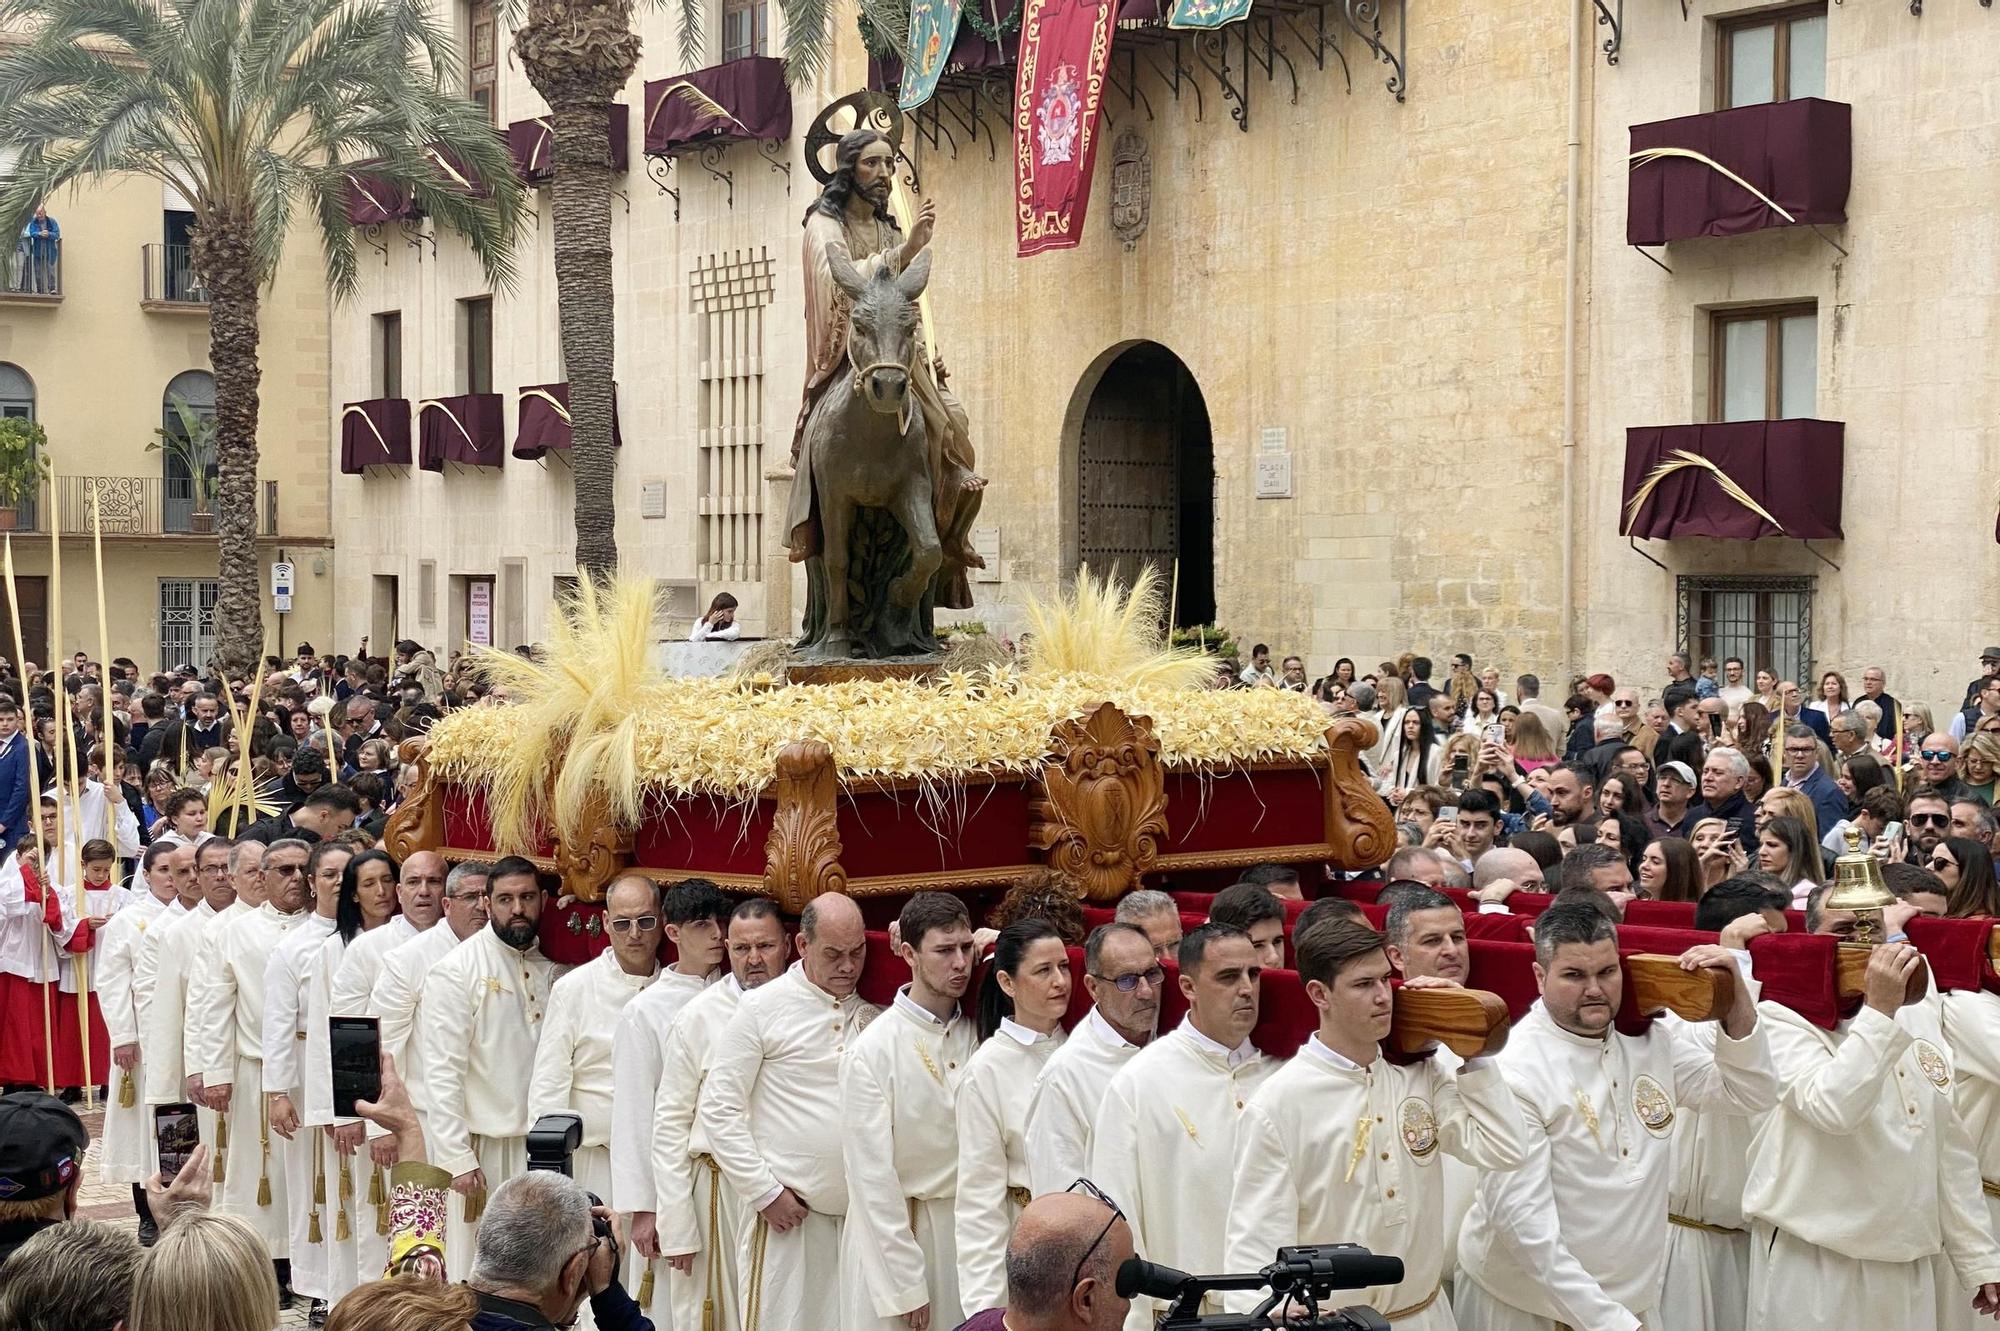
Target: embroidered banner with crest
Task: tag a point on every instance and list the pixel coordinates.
(933, 29)
(1206, 13)
(1057, 93)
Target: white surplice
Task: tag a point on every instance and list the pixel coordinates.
(1971, 1021)
(129, 1153)
(284, 1072)
(1062, 1109)
(993, 1156)
(695, 1213)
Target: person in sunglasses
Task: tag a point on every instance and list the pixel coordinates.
(574, 1072)
(1935, 764)
(1926, 822)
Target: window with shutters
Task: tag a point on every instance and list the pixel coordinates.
(731, 293)
(1764, 364)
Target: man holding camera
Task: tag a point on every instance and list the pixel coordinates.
(543, 1252)
(1341, 1146)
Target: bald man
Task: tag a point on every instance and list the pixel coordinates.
(1500, 873)
(1062, 1267)
(771, 1108)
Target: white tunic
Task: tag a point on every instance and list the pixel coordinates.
(771, 1104)
(898, 1090)
(993, 1156)
(1331, 1152)
(573, 1060)
(638, 1038)
(1972, 1029)
(1578, 1233)
(26, 947)
(225, 1003)
(146, 964)
(128, 1153)
(692, 1213)
(1062, 1109)
(1164, 1147)
(361, 965)
(100, 903)
(284, 1007)
(395, 1002)
(165, 1039)
(1706, 1284)
(483, 1008)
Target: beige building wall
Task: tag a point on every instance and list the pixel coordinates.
(100, 360)
(1907, 344)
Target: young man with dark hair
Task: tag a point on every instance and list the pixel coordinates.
(324, 813)
(1338, 1146)
(1260, 915)
(1424, 934)
(1733, 902)
(1281, 879)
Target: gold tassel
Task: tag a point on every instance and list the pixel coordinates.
(264, 1151)
(221, 1146)
(377, 1196)
(341, 1232)
(382, 1218)
(475, 1205)
(128, 1097)
(346, 1180)
(264, 1190)
(646, 1287)
(312, 1229)
(708, 1315)
(319, 1182)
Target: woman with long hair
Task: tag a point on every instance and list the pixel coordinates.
(1619, 793)
(1413, 758)
(1626, 834)
(208, 1272)
(1979, 763)
(1760, 779)
(1753, 728)
(1391, 697)
(1021, 1007)
(1669, 870)
(1917, 723)
(1534, 747)
(1343, 671)
(1832, 695)
(1966, 869)
(1767, 690)
(1859, 774)
(367, 895)
(1789, 852)
(1720, 854)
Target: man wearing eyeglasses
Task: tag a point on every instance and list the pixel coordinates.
(1804, 774)
(1166, 1137)
(1123, 976)
(694, 913)
(225, 1021)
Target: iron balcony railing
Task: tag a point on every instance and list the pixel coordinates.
(149, 506)
(35, 267)
(170, 276)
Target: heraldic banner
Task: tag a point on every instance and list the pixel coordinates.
(933, 29)
(1206, 13)
(1057, 92)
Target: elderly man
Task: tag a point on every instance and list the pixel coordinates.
(540, 1261)
(1416, 864)
(771, 1108)
(124, 988)
(1123, 978)
(1804, 774)
(1311, 1166)
(1062, 1266)
(1863, 1191)
(1972, 818)
(1168, 1127)
(694, 913)
(898, 1094)
(1157, 914)
(1722, 776)
(1500, 873)
(483, 1010)
(697, 1218)
(1577, 1235)
(1937, 763)
(171, 1077)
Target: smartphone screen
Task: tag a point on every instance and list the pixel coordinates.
(356, 1043)
(178, 1132)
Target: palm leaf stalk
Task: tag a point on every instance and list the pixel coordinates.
(256, 111)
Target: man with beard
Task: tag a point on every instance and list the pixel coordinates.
(898, 1094)
(1123, 977)
(695, 912)
(850, 223)
(771, 1109)
(1168, 1127)
(1577, 1236)
(697, 1217)
(1926, 823)
(1571, 793)
(483, 1007)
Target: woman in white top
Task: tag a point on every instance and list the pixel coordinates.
(1021, 1008)
(719, 624)
(1484, 712)
(1832, 695)
(1413, 756)
(1786, 851)
(184, 822)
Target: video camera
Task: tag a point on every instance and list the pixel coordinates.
(552, 1141)
(1304, 1276)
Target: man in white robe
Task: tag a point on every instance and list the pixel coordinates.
(771, 1109)
(226, 1033)
(284, 1075)
(170, 1077)
(1343, 1146)
(693, 913)
(1164, 1146)
(483, 1010)
(698, 1217)
(898, 1092)
(1863, 1194)
(1971, 1019)
(573, 1067)
(1123, 976)
(1577, 1235)
(128, 1154)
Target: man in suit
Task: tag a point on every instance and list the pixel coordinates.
(1792, 711)
(13, 777)
(1804, 774)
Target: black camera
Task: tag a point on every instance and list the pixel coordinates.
(1303, 1276)
(552, 1141)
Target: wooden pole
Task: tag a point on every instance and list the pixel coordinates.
(70, 767)
(35, 821)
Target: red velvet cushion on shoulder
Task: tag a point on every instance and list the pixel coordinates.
(1506, 969)
(1462, 897)
(1530, 903)
(1194, 903)
(1955, 949)
(1173, 1003)
(1079, 996)
(1654, 938)
(1285, 1016)
(1361, 889)
(1665, 914)
(1797, 971)
(1496, 927)
(883, 973)
(1093, 916)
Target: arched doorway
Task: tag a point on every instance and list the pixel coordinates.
(1145, 475)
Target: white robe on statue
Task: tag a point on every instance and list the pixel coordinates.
(1577, 1235)
(993, 1180)
(1841, 1247)
(1062, 1110)
(483, 1010)
(771, 1108)
(898, 1092)
(1971, 1021)
(225, 1022)
(306, 1186)
(694, 1211)
(1332, 1152)
(638, 1038)
(129, 1153)
(1164, 1148)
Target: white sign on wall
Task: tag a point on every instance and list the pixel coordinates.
(1274, 475)
(479, 613)
(282, 575)
(986, 544)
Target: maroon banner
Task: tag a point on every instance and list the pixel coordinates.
(1064, 45)
(1791, 468)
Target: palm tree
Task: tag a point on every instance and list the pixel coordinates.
(254, 110)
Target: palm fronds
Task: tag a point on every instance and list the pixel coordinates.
(1101, 629)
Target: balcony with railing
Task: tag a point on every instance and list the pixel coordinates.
(27, 514)
(149, 506)
(32, 273)
(171, 284)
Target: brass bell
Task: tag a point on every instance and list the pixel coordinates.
(1858, 886)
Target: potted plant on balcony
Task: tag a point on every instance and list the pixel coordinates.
(190, 440)
(24, 465)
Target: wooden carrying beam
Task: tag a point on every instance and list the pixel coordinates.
(1852, 979)
(1658, 984)
(1469, 1022)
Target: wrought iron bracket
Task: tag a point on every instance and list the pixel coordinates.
(1212, 49)
(1611, 14)
(623, 198)
(709, 159)
(1808, 544)
(372, 237)
(911, 175)
(1643, 555)
(773, 151)
(660, 170)
(416, 237)
(1364, 17)
(1653, 259)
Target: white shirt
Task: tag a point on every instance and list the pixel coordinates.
(573, 1068)
(284, 1005)
(677, 1132)
(99, 903)
(395, 1000)
(165, 1039)
(1062, 1108)
(117, 965)
(638, 1039)
(1971, 1021)
(225, 1004)
(483, 1009)
(993, 1155)
(361, 965)
(26, 949)
(701, 632)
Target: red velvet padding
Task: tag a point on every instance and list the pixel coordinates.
(1665, 914)
(1798, 971)
(1956, 951)
(1505, 969)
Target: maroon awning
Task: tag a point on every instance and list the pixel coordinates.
(375, 433)
(544, 424)
(372, 200)
(532, 142)
(751, 92)
(1791, 469)
(454, 173)
(470, 429)
(971, 52)
(1799, 154)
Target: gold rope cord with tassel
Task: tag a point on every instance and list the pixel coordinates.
(128, 1097)
(1682, 460)
(346, 1179)
(1647, 156)
(319, 1198)
(753, 1297)
(342, 1231)
(646, 1287)
(264, 1150)
(221, 1146)
(378, 1197)
(714, 1255)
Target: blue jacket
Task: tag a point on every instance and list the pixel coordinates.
(1807, 717)
(14, 791)
(1829, 805)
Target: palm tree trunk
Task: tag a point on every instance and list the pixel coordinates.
(578, 54)
(221, 249)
